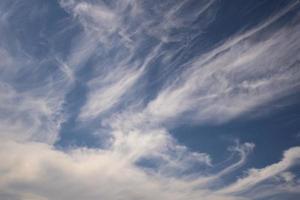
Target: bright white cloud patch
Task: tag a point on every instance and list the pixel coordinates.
(129, 73)
(36, 169)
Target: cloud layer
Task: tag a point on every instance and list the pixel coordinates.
(127, 75)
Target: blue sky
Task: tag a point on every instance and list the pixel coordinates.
(136, 99)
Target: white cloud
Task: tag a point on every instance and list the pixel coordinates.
(234, 79)
(243, 73)
(31, 99)
(255, 176)
(38, 170)
(105, 92)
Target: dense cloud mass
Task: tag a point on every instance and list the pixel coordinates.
(121, 75)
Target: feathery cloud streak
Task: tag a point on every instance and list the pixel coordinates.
(114, 52)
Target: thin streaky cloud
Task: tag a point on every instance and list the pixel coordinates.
(122, 99)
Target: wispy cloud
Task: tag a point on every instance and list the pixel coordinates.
(115, 51)
(234, 78)
(31, 98)
(256, 176)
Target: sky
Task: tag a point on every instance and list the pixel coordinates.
(148, 100)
